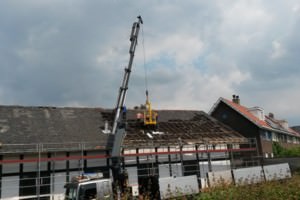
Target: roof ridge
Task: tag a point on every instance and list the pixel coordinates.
(261, 123)
(246, 113)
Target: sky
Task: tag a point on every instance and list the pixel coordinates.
(73, 53)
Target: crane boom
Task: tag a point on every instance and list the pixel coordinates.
(123, 89)
(100, 187)
(118, 129)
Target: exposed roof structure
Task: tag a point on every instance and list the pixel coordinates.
(188, 127)
(24, 125)
(268, 122)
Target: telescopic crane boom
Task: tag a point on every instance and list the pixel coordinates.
(118, 128)
(81, 187)
(123, 89)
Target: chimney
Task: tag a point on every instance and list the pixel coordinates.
(236, 99)
(271, 115)
(106, 130)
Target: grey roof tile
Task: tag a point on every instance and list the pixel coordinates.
(31, 125)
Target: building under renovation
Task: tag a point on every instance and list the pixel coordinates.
(43, 147)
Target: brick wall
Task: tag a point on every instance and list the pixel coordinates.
(266, 146)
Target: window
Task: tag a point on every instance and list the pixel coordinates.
(224, 116)
(71, 190)
(88, 191)
(106, 188)
(275, 137)
(269, 135)
(263, 135)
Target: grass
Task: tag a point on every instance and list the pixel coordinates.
(273, 190)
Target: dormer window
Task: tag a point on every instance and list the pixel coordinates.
(257, 112)
(284, 124)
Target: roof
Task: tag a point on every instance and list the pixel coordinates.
(296, 128)
(33, 125)
(269, 123)
(245, 112)
(188, 127)
(25, 125)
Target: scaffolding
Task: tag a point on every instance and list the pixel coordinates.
(41, 170)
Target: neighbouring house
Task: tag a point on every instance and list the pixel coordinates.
(296, 128)
(253, 122)
(43, 147)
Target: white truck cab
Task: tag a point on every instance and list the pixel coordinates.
(87, 186)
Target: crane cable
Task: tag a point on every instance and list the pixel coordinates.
(150, 116)
(145, 69)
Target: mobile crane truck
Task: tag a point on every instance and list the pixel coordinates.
(94, 186)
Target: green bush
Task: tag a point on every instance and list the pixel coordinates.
(280, 151)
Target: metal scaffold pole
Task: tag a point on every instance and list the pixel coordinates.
(38, 182)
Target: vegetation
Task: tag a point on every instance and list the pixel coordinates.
(274, 190)
(287, 189)
(280, 151)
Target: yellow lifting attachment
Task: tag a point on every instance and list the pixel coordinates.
(150, 116)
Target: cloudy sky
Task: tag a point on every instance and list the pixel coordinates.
(73, 52)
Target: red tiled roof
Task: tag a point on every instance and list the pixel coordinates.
(278, 124)
(261, 123)
(296, 129)
(293, 132)
(244, 111)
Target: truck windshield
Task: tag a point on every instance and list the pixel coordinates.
(71, 191)
(88, 191)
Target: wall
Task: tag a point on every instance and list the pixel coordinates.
(267, 146)
(57, 168)
(293, 162)
(21, 174)
(289, 145)
(237, 122)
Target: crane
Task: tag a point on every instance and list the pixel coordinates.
(149, 116)
(81, 187)
(118, 128)
(123, 89)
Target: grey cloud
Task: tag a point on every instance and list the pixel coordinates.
(73, 52)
